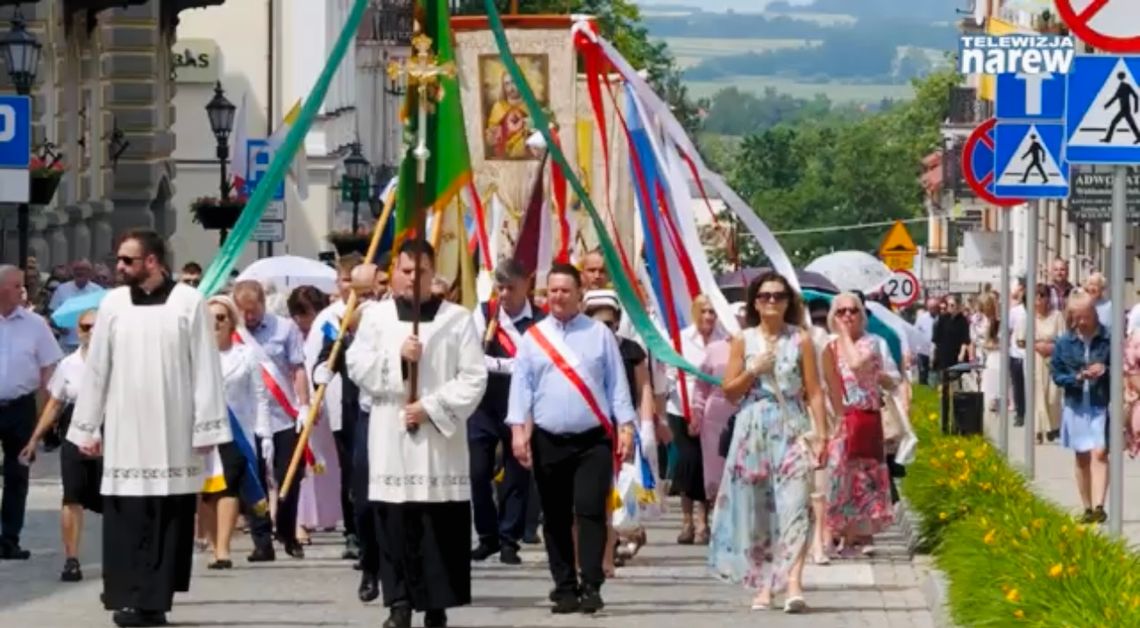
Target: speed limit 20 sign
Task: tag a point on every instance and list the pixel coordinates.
(902, 288)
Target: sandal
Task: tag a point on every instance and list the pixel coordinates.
(795, 605)
(687, 535)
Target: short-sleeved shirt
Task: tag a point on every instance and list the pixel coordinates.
(64, 384)
(70, 340)
(27, 345)
(281, 339)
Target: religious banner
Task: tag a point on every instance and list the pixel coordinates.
(505, 164)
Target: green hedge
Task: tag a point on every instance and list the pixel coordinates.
(1011, 557)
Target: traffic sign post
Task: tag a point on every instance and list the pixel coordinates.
(978, 165)
(259, 154)
(15, 150)
(898, 249)
(902, 288)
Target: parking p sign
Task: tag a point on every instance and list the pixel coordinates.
(15, 148)
(259, 154)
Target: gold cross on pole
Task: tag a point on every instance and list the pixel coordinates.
(423, 72)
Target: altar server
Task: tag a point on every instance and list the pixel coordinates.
(151, 401)
(418, 459)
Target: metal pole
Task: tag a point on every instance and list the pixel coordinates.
(1116, 366)
(1030, 361)
(22, 229)
(1003, 338)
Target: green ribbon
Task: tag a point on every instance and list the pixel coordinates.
(217, 274)
(657, 346)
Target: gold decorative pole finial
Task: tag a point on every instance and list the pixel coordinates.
(423, 72)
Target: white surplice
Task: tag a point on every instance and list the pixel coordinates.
(154, 383)
(432, 464)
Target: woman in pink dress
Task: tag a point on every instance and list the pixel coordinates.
(318, 506)
(711, 412)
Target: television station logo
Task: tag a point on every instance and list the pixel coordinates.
(1016, 54)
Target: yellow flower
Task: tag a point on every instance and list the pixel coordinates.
(942, 516)
(990, 537)
(1038, 524)
(1055, 570)
(1024, 532)
(1020, 614)
(1072, 570)
(1013, 596)
(933, 416)
(959, 454)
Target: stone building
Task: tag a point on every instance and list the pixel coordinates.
(103, 102)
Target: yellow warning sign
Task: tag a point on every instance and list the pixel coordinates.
(898, 249)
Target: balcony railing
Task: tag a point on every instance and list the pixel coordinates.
(388, 22)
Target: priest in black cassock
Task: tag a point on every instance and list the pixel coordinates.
(152, 402)
(419, 479)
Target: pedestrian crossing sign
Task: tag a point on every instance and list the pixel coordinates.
(1103, 110)
(1029, 161)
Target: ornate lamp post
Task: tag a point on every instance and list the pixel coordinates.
(221, 113)
(356, 170)
(22, 52)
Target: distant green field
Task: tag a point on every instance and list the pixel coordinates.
(690, 51)
(824, 19)
(837, 92)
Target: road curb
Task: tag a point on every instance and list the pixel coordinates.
(935, 588)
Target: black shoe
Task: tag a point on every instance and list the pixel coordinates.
(71, 571)
(1099, 515)
(1019, 422)
(11, 550)
(483, 551)
(221, 564)
(591, 600)
(399, 617)
(358, 566)
(564, 603)
(531, 539)
(138, 619)
(262, 555)
(369, 588)
(510, 556)
(1052, 435)
(1088, 517)
(351, 548)
(435, 619)
(294, 549)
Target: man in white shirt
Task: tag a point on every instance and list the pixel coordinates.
(80, 284)
(924, 322)
(1017, 352)
(28, 353)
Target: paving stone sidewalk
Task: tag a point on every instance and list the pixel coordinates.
(666, 586)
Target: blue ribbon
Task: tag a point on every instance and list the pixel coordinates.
(251, 491)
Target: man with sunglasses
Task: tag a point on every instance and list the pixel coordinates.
(191, 274)
(153, 380)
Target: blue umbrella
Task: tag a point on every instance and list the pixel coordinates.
(67, 316)
(874, 325)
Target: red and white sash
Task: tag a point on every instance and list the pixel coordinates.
(507, 334)
(567, 362)
(280, 389)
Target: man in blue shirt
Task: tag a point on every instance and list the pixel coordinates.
(569, 403)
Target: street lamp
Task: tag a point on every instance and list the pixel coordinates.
(221, 114)
(21, 52)
(356, 170)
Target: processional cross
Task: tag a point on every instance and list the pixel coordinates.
(424, 73)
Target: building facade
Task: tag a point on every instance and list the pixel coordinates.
(102, 106)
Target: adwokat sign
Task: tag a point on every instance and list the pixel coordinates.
(1091, 196)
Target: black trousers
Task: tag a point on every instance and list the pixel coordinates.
(425, 554)
(17, 422)
(505, 524)
(575, 478)
(363, 512)
(533, 510)
(284, 442)
(924, 369)
(1017, 380)
(148, 550)
(235, 468)
(345, 442)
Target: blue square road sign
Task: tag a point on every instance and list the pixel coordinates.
(1036, 97)
(1029, 161)
(15, 132)
(1103, 112)
(259, 155)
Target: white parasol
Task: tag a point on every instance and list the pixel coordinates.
(852, 270)
(289, 271)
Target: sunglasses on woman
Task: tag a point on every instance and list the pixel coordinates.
(846, 311)
(772, 297)
(86, 327)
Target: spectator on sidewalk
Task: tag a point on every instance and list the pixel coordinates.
(80, 284)
(924, 322)
(951, 335)
(1080, 368)
(1059, 287)
(1017, 351)
(1050, 326)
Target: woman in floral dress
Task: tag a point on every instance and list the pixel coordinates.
(859, 505)
(761, 522)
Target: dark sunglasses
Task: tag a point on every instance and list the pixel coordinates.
(772, 297)
(86, 327)
(221, 318)
(127, 260)
(191, 282)
(844, 311)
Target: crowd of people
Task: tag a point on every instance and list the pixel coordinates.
(180, 416)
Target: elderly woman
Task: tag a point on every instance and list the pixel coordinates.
(1080, 365)
(761, 523)
(1050, 326)
(232, 464)
(859, 504)
(688, 474)
(80, 475)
